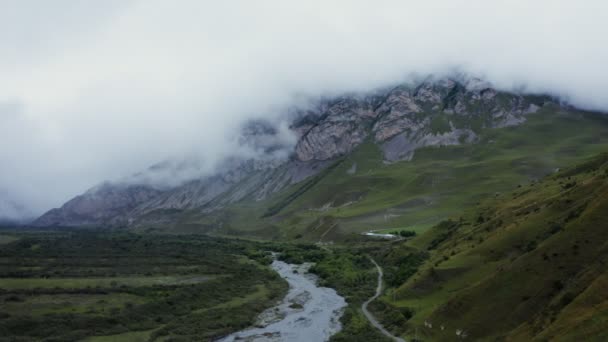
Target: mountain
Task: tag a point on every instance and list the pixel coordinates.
(505, 239)
(526, 265)
(397, 122)
(105, 203)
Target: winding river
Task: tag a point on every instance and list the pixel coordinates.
(307, 313)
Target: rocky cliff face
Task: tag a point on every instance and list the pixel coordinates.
(343, 126)
(400, 120)
(405, 118)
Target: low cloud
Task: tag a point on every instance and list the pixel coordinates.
(93, 91)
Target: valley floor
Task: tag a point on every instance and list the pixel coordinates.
(71, 285)
(112, 285)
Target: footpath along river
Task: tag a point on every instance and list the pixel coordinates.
(307, 313)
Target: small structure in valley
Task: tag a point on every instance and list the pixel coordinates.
(381, 236)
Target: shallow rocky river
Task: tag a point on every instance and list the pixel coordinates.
(308, 313)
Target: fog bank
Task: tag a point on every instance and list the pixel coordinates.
(101, 90)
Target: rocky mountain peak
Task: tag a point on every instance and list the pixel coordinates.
(433, 112)
(400, 120)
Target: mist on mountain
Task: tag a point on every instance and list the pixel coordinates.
(100, 93)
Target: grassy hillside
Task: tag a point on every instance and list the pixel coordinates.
(360, 192)
(524, 265)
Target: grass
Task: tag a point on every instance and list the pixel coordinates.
(69, 303)
(6, 239)
(348, 270)
(260, 293)
(134, 336)
(588, 314)
(116, 285)
(439, 182)
(526, 265)
(76, 283)
(417, 228)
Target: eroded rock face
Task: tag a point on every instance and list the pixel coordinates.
(330, 140)
(343, 128)
(408, 117)
(250, 178)
(403, 146)
(397, 114)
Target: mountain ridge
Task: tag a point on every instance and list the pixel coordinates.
(400, 120)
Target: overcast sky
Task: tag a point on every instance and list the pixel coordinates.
(100, 89)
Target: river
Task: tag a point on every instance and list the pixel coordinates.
(308, 313)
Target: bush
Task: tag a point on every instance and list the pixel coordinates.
(407, 233)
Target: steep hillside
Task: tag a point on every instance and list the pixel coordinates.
(525, 265)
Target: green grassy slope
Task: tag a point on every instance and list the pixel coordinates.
(438, 183)
(526, 265)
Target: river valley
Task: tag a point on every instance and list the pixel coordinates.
(307, 313)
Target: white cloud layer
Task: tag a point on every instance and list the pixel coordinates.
(93, 90)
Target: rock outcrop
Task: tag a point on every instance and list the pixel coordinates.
(343, 126)
(433, 113)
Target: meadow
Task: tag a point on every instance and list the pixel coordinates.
(114, 285)
(70, 285)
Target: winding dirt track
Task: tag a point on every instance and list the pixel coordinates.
(369, 315)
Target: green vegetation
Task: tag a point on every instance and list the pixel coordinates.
(112, 286)
(438, 183)
(75, 283)
(348, 270)
(284, 202)
(525, 265)
(440, 124)
(137, 336)
(4, 239)
(119, 286)
(404, 233)
(500, 240)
